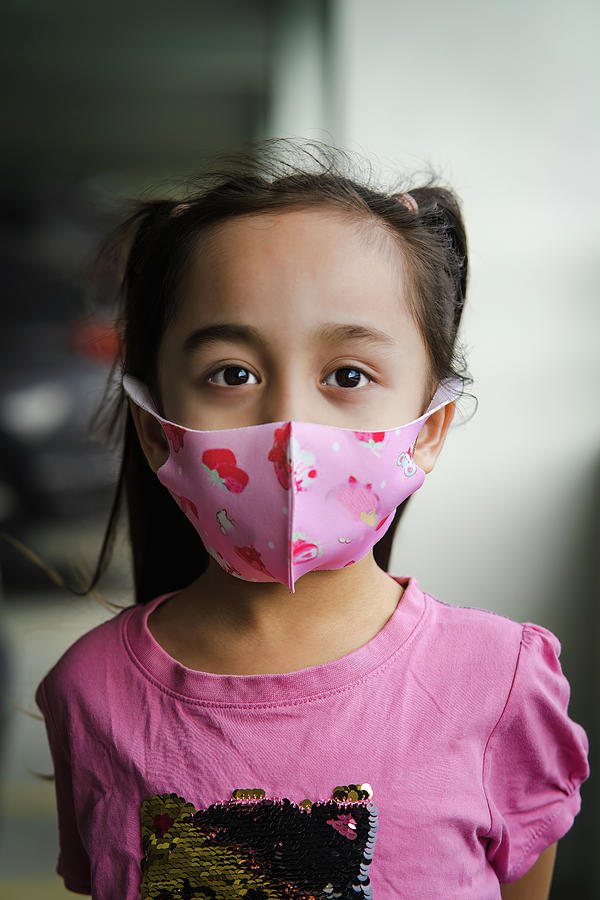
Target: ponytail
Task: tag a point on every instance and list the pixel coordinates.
(441, 215)
(166, 552)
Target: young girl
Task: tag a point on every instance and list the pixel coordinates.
(276, 715)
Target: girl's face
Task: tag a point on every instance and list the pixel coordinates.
(299, 314)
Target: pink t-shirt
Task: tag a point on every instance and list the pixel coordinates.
(436, 761)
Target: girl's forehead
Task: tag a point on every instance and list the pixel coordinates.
(308, 226)
(301, 256)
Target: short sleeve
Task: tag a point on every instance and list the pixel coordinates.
(73, 862)
(535, 760)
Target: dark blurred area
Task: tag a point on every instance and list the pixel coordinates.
(133, 91)
(99, 102)
(54, 358)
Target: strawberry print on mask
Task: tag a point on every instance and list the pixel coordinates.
(373, 439)
(175, 435)
(272, 502)
(222, 469)
(253, 558)
(278, 455)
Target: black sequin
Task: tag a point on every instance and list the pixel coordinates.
(259, 848)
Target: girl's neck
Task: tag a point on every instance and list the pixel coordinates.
(224, 625)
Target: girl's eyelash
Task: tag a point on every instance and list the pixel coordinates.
(223, 368)
(337, 369)
(350, 369)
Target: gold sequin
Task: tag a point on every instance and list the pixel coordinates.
(255, 847)
(248, 794)
(352, 792)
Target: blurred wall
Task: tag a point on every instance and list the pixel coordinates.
(501, 98)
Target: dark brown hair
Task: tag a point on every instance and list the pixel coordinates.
(149, 252)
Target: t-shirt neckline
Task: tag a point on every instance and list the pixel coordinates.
(270, 689)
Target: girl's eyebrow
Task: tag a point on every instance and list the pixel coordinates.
(330, 333)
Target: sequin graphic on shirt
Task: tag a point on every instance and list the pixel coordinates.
(259, 848)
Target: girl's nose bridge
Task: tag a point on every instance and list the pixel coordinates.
(289, 394)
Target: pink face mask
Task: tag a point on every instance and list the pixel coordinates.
(272, 502)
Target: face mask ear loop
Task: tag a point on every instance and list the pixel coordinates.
(425, 417)
(411, 449)
(291, 506)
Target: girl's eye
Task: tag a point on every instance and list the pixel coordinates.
(232, 376)
(235, 375)
(350, 378)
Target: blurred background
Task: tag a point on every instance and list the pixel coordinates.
(101, 101)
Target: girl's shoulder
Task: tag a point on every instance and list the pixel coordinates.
(84, 666)
(491, 648)
(486, 625)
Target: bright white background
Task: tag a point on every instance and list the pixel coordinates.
(502, 100)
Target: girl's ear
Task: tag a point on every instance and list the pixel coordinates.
(431, 437)
(152, 438)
